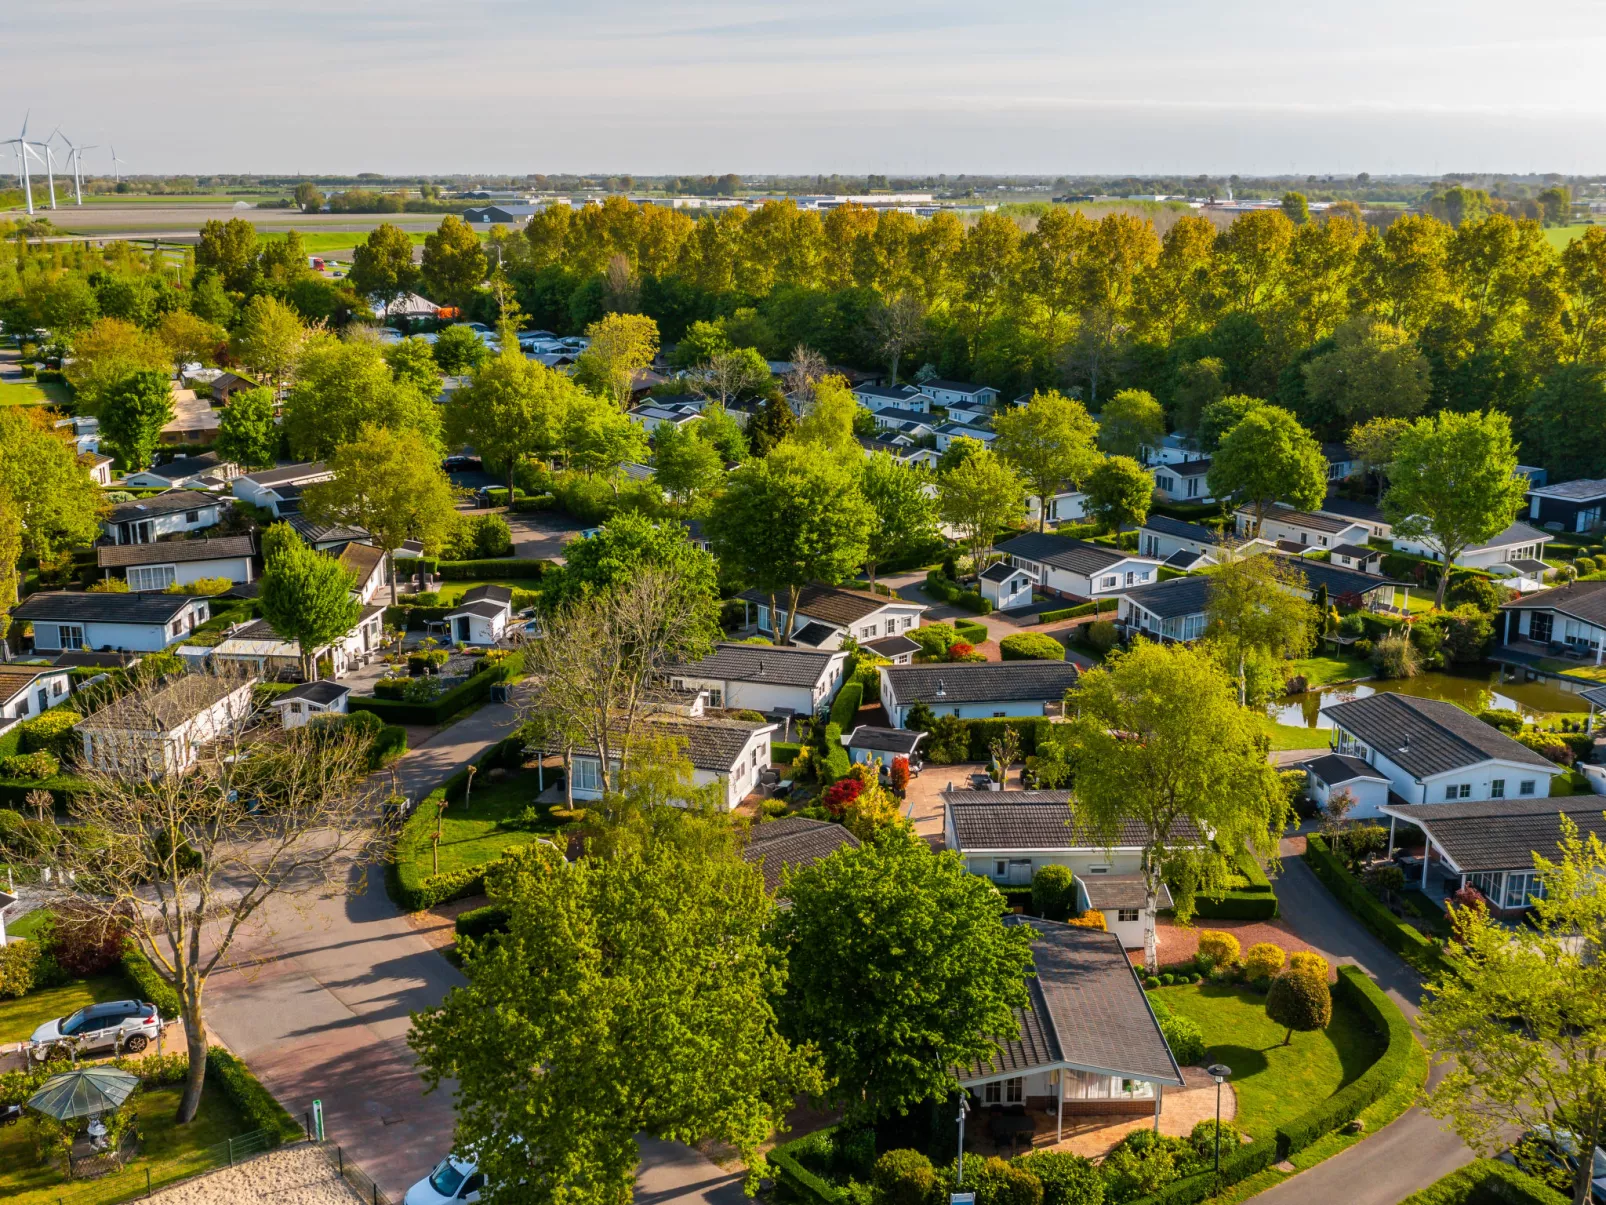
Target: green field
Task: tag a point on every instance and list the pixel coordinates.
(131, 198)
(1286, 736)
(1560, 236)
(1325, 670)
(325, 242)
(479, 832)
(33, 393)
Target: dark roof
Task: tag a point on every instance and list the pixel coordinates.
(1581, 600)
(1572, 491)
(94, 660)
(900, 393)
(17, 677)
(1336, 578)
(322, 533)
(1355, 550)
(814, 633)
(55, 605)
(1428, 736)
(487, 592)
(1167, 526)
(232, 380)
(1172, 599)
(1186, 468)
(1504, 834)
(484, 608)
(792, 842)
(710, 744)
(1064, 552)
(980, 682)
(837, 604)
(1595, 695)
(1307, 519)
(287, 472)
(363, 559)
(957, 386)
(1038, 820)
(891, 646)
(1087, 1009)
(1336, 768)
(1337, 452)
(169, 503)
(1120, 891)
(188, 466)
(1001, 571)
(884, 740)
(760, 663)
(1517, 533)
(1350, 508)
(1183, 559)
(167, 552)
(323, 692)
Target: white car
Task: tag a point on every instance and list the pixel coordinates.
(117, 1025)
(453, 1179)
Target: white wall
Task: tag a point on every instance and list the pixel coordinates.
(1368, 796)
(967, 711)
(299, 712)
(1274, 528)
(135, 637)
(235, 569)
(25, 706)
(1018, 587)
(739, 781)
(172, 750)
(480, 629)
(169, 524)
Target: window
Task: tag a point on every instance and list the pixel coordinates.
(1014, 1091)
(192, 516)
(1126, 914)
(70, 636)
(764, 618)
(1161, 481)
(1098, 870)
(1525, 787)
(716, 697)
(1129, 577)
(998, 715)
(295, 708)
(1458, 791)
(1497, 789)
(151, 577)
(868, 631)
(1000, 869)
(22, 705)
(56, 687)
(1108, 583)
(1522, 887)
(993, 1093)
(908, 621)
(1540, 626)
(1193, 487)
(586, 775)
(1322, 540)
(176, 628)
(892, 626)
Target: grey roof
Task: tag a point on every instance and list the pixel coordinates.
(287, 472)
(966, 429)
(1087, 1009)
(1503, 834)
(1595, 695)
(1186, 468)
(900, 393)
(179, 700)
(1581, 600)
(1172, 599)
(1038, 820)
(1307, 519)
(1517, 533)
(1178, 529)
(792, 842)
(322, 692)
(761, 663)
(168, 552)
(1350, 508)
(1336, 768)
(838, 604)
(1425, 737)
(1336, 578)
(980, 682)
(1356, 550)
(710, 744)
(958, 386)
(1120, 891)
(1001, 571)
(884, 740)
(814, 633)
(1184, 560)
(167, 503)
(1064, 552)
(188, 466)
(1337, 452)
(487, 592)
(323, 533)
(484, 608)
(891, 646)
(73, 607)
(1588, 490)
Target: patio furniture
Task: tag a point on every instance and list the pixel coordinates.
(1011, 1127)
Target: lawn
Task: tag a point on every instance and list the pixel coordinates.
(1560, 236)
(1274, 1083)
(1286, 736)
(19, 1018)
(170, 1153)
(33, 393)
(479, 832)
(1576, 669)
(323, 242)
(1325, 670)
(450, 592)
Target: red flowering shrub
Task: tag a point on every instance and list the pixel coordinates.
(961, 649)
(1468, 898)
(900, 775)
(840, 794)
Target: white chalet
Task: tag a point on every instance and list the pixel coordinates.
(1076, 568)
(764, 678)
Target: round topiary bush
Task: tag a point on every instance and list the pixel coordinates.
(903, 1177)
(1102, 635)
(1308, 961)
(1299, 1000)
(1067, 1179)
(1185, 1038)
(1151, 982)
(1263, 960)
(1053, 892)
(1031, 646)
(1221, 948)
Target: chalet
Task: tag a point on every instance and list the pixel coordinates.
(1178, 543)
(300, 705)
(177, 512)
(976, 690)
(481, 615)
(369, 567)
(1360, 557)
(226, 385)
(1501, 556)
(1334, 772)
(1341, 462)
(792, 843)
(1184, 481)
(654, 413)
(1569, 620)
(1572, 506)
(148, 735)
(30, 690)
(98, 466)
(948, 432)
(1006, 586)
(1368, 514)
(899, 650)
(147, 567)
(326, 537)
(1066, 506)
(868, 745)
(1076, 568)
(893, 400)
(827, 615)
(1305, 528)
(733, 753)
(146, 623)
(272, 487)
(1171, 612)
(1346, 587)
(766, 679)
(260, 650)
(957, 393)
(186, 472)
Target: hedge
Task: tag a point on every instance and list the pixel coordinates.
(951, 592)
(845, 708)
(1031, 728)
(970, 631)
(478, 922)
(1030, 646)
(148, 985)
(256, 1104)
(1238, 1165)
(1088, 608)
(1236, 905)
(784, 753)
(490, 569)
(1398, 936)
(445, 705)
(1487, 1182)
(797, 1179)
(1250, 869)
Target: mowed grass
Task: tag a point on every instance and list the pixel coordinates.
(1560, 236)
(1325, 670)
(324, 242)
(1274, 1083)
(19, 1018)
(33, 393)
(450, 592)
(171, 1152)
(479, 831)
(1286, 736)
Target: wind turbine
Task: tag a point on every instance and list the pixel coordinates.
(75, 160)
(23, 151)
(50, 162)
(116, 163)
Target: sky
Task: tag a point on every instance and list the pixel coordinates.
(853, 86)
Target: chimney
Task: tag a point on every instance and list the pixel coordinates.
(942, 689)
(1405, 746)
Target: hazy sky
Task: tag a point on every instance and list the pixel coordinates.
(1040, 86)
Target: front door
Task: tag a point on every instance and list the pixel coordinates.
(44, 700)
(462, 630)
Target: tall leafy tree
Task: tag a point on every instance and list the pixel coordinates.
(898, 971)
(1119, 491)
(1566, 422)
(268, 339)
(247, 434)
(133, 414)
(829, 422)
(1454, 484)
(459, 349)
(1256, 618)
(382, 265)
(599, 437)
(1269, 458)
(1158, 741)
(1051, 441)
(621, 345)
(306, 596)
(628, 544)
(512, 408)
(107, 353)
(904, 517)
(229, 249)
(684, 464)
(454, 262)
(1130, 420)
(390, 484)
(1221, 415)
(342, 386)
(1374, 371)
(189, 338)
(56, 501)
(639, 984)
(978, 497)
(412, 362)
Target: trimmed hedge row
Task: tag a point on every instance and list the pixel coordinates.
(952, 593)
(797, 1179)
(488, 569)
(1404, 940)
(1487, 1182)
(1250, 869)
(147, 984)
(256, 1104)
(1030, 646)
(477, 922)
(1095, 607)
(1236, 905)
(983, 732)
(443, 706)
(845, 707)
(784, 753)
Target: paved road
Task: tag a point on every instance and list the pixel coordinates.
(1414, 1151)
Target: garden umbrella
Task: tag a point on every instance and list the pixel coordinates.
(83, 1092)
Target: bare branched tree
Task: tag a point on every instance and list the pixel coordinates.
(808, 369)
(621, 289)
(729, 377)
(196, 811)
(896, 326)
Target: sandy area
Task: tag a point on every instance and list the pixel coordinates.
(1179, 945)
(297, 1175)
(438, 925)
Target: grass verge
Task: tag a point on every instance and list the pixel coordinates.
(20, 1017)
(1286, 736)
(479, 832)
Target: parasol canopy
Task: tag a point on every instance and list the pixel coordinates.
(83, 1092)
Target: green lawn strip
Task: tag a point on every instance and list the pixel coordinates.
(28, 924)
(20, 1017)
(1325, 670)
(1559, 236)
(1286, 736)
(479, 832)
(170, 1152)
(450, 592)
(33, 393)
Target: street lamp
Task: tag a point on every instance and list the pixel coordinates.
(964, 1107)
(1221, 1073)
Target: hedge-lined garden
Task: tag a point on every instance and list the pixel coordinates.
(475, 689)
(1408, 942)
(1250, 897)
(1487, 1182)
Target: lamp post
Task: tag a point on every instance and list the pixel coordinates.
(1219, 1072)
(964, 1107)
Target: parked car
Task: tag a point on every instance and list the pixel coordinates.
(1559, 1149)
(454, 1178)
(118, 1025)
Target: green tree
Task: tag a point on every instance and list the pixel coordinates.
(389, 483)
(306, 596)
(1051, 441)
(1131, 420)
(898, 971)
(1454, 484)
(1374, 371)
(700, 344)
(1566, 422)
(454, 262)
(732, 376)
(788, 519)
(512, 408)
(683, 464)
(382, 265)
(1200, 383)
(1299, 999)
(617, 977)
(344, 386)
(829, 421)
(247, 434)
(412, 361)
(133, 414)
(1118, 493)
(269, 339)
(960, 449)
(276, 538)
(190, 338)
(980, 496)
(1220, 416)
(210, 300)
(627, 544)
(723, 432)
(309, 197)
(1372, 443)
(903, 516)
(229, 249)
(107, 353)
(621, 346)
(1555, 206)
(1268, 458)
(1256, 619)
(47, 492)
(1518, 1017)
(69, 307)
(1295, 208)
(459, 349)
(772, 423)
(600, 437)
(1158, 741)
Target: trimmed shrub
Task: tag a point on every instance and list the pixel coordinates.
(148, 985)
(1091, 919)
(972, 600)
(933, 638)
(1403, 939)
(1221, 948)
(51, 733)
(1185, 1038)
(1101, 635)
(1308, 962)
(904, 1177)
(1299, 1001)
(39, 765)
(1066, 1179)
(1236, 905)
(1263, 960)
(477, 922)
(845, 708)
(996, 1182)
(1097, 607)
(1053, 892)
(19, 967)
(1031, 646)
(970, 631)
(258, 1108)
(784, 753)
(1487, 1182)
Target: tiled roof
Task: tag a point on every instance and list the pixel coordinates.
(1178, 529)
(1425, 737)
(837, 604)
(957, 386)
(1305, 519)
(1120, 891)
(1184, 560)
(891, 646)
(322, 692)
(1186, 468)
(361, 559)
(73, 607)
(1517, 533)
(173, 704)
(1336, 768)
(761, 663)
(1063, 552)
(322, 533)
(14, 678)
(792, 842)
(169, 503)
(709, 744)
(1350, 508)
(884, 740)
(1357, 551)
(484, 608)
(814, 633)
(1504, 834)
(1038, 820)
(1572, 491)
(488, 593)
(172, 552)
(980, 682)
(1000, 571)
(1581, 600)
(288, 472)
(188, 466)
(1336, 578)
(1174, 598)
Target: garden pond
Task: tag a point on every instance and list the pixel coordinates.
(1481, 687)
